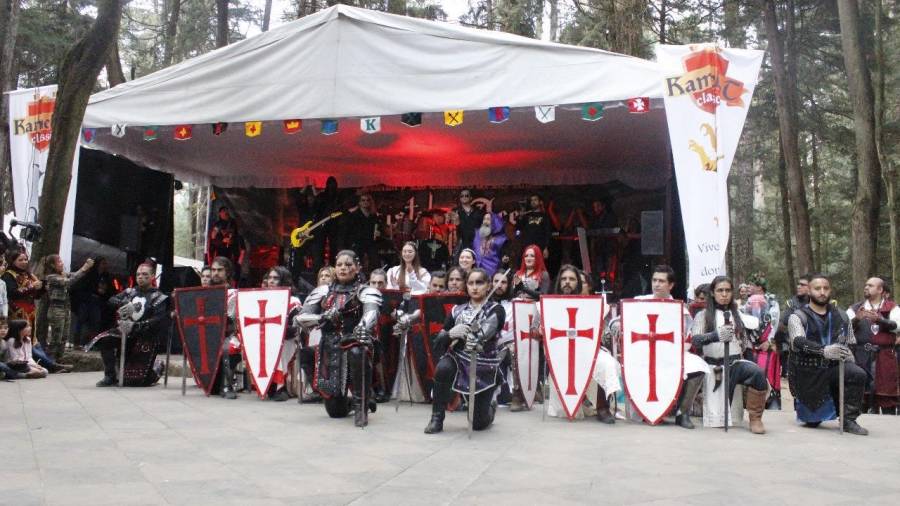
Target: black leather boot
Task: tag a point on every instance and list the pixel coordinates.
(688, 392)
(852, 406)
(227, 378)
(437, 419)
(604, 415)
(774, 401)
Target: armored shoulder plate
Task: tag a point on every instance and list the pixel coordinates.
(369, 295)
(316, 296)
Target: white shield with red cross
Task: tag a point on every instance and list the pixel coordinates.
(527, 346)
(652, 355)
(261, 322)
(572, 326)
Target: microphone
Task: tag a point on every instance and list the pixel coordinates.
(27, 224)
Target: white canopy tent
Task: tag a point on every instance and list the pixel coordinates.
(346, 62)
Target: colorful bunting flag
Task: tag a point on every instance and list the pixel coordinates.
(88, 134)
(329, 126)
(118, 130)
(592, 111)
(370, 125)
(292, 126)
(453, 117)
(253, 128)
(498, 114)
(219, 128)
(545, 113)
(411, 119)
(639, 105)
(183, 132)
(151, 133)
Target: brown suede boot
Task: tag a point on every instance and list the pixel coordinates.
(756, 404)
(516, 404)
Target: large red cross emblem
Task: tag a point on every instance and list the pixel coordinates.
(523, 338)
(262, 321)
(571, 334)
(201, 321)
(652, 338)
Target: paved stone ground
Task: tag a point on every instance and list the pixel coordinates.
(67, 442)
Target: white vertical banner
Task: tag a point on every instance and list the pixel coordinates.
(707, 90)
(30, 124)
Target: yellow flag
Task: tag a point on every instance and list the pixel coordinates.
(453, 118)
(253, 128)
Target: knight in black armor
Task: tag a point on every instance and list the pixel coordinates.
(347, 311)
(142, 317)
(474, 325)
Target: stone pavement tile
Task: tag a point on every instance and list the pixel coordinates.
(15, 480)
(137, 493)
(554, 496)
(394, 496)
(323, 500)
(184, 469)
(225, 490)
(284, 485)
(88, 455)
(25, 496)
(100, 476)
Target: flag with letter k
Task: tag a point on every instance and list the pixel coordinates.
(652, 354)
(262, 322)
(200, 317)
(572, 327)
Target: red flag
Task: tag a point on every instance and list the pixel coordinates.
(292, 126)
(183, 132)
(639, 105)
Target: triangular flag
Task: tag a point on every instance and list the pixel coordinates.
(545, 113)
(292, 126)
(253, 128)
(370, 125)
(183, 132)
(329, 126)
(592, 111)
(150, 133)
(219, 128)
(453, 118)
(118, 130)
(88, 134)
(638, 105)
(498, 114)
(411, 119)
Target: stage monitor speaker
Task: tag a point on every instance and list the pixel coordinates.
(130, 233)
(652, 233)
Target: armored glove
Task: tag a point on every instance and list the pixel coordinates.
(332, 315)
(362, 335)
(126, 311)
(402, 325)
(459, 331)
(726, 333)
(472, 342)
(836, 352)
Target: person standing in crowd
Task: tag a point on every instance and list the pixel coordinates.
(800, 299)
(474, 325)
(143, 316)
(378, 280)
(347, 312)
(876, 325)
(438, 282)
(820, 337)
(225, 241)
(701, 293)
(489, 243)
(532, 273)
(325, 276)
(533, 227)
(466, 259)
(409, 275)
(58, 313)
(4, 299)
(22, 287)
(361, 229)
(205, 276)
(18, 351)
(327, 203)
(467, 218)
(456, 279)
(710, 332)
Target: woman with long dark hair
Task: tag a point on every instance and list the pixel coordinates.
(22, 286)
(409, 275)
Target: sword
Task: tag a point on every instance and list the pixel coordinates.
(300, 387)
(841, 394)
(363, 401)
(122, 356)
(183, 373)
(402, 364)
(169, 354)
(725, 372)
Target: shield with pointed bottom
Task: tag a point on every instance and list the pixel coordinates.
(528, 348)
(652, 355)
(435, 308)
(201, 320)
(572, 326)
(262, 322)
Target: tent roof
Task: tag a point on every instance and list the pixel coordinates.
(346, 62)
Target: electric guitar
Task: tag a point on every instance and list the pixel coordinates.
(299, 236)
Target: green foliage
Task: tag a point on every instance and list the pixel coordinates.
(47, 29)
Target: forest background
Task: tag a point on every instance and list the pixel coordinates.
(814, 183)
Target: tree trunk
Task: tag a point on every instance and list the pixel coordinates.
(9, 25)
(663, 7)
(554, 20)
(817, 201)
(174, 13)
(77, 77)
(864, 218)
(786, 220)
(888, 169)
(787, 126)
(222, 28)
(114, 72)
(267, 16)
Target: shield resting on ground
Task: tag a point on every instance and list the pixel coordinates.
(390, 354)
(201, 320)
(528, 348)
(652, 355)
(572, 326)
(262, 322)
(435, 308)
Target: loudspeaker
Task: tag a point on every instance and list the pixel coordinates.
(652, 233)
(130, 233)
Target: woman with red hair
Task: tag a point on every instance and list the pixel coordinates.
(532, 274)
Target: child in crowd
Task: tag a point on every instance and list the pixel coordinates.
(16, 336)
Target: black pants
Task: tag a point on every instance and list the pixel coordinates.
(359, 365)
(444, 376)
(854, 387)
(743, 372)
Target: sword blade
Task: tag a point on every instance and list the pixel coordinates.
(300, 387)
(168, 355)
(841, 393)
(122, 359)
(473, 357)
(401, 370)
(727, 390)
